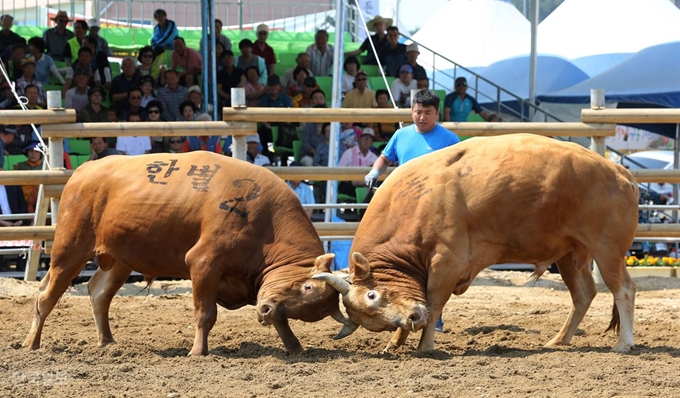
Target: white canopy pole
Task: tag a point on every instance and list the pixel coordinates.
(533, 58)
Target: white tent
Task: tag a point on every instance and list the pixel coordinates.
(474, 33)
(597, 34)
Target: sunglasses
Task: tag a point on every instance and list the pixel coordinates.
(361, 80)
(262, 33)
(175, 142)
(135, 98)
(154, 111)
(147, 56)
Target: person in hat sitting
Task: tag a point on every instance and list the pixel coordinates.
(56, 39)
(34, 162)
(102, 44)
(253, 154)
(357, 156)
(458, 105)
(412, 53)
(379, 39)
(94, 111)
(264, 50)
(401, 88)
(7, 37)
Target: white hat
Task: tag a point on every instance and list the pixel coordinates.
(93, 23)
(253, 138)
(412, 47)
(262, 27)
(194, 88)
(387, 21)
(368, 131)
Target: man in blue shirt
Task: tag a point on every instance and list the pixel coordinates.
(422, 137)
(458, 105)
(274, 98)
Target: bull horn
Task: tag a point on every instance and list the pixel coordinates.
(337, 282)
(340, 317)
(346, 330)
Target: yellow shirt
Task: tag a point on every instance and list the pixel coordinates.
(355, 99)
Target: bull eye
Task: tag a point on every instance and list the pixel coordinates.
(308, 287)
(372, 295)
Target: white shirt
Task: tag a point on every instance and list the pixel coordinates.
(402, 92)
(4, 203)
(137, 145)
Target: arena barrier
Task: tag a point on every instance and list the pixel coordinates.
(240, 122)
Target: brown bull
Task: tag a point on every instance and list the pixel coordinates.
(438, 220)
(236, 230)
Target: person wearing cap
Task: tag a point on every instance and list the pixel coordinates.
(412, 52)
(379, 39)
(393, 55)
(361, 96)
(187, 62)
(264, 50)
(56, 39)
(247, 59)
(301, 61)
(320, 54)
(34, 161)
(304, 98)
(94, 111)
(458, 105)
(357, 156)
(401, 88)
(164, 32)
(7, 134)
(28, 78)
(73, 44)
(229, 77)
(7, 37)
(226, 43)
(102, 44)
(44, 64)
(252, 154)
(194, 95)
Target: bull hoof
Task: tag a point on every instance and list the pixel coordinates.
(623, 348)
(295, 350)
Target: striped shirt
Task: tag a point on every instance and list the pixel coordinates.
(320, 63)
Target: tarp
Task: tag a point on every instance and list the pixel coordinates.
(648, 77)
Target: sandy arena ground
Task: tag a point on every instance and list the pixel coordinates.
(492, 348)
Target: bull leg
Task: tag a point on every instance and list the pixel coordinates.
(398, 339)
(581, 285)
(102, 287)
(427, 338)
(619, 282)
(291, 342)
(205, 284)
(64, 268)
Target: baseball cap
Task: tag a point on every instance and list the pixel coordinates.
(27, 61)
(310, 81)
(253, 138)
(273, 80)
(194, 89)
(262, 28)
(96, 89)
(9, 129)
(412, 47)
(93, 23)
(368, 131)
(461, 81)
(31, 145)
(406, 68)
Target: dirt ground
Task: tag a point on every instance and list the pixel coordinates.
(492, 347)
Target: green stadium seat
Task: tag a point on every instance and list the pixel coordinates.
(378, 83)
(325, 83)
(82, 159)
(142, 36)
(79, 147)
(371, 70)
(28, 32)
(306, 37)
(279, 46)
(441, 94)
(282, 35)
(351, 46)
(74, 161)
(12, 160)
(115, 69)
(297, 145)
(281, 68)
(288, 58)
(361, 193)
(5, 165)
(120, 40)
(299, 46)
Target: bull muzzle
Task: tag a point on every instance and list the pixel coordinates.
(265, 313)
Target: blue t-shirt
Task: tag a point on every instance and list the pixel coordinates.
(282, 101)
(407, 143)
(461, 109)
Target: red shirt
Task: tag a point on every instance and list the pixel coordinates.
(190, 59)
(265, 52)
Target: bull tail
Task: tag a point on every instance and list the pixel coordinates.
(615, 323)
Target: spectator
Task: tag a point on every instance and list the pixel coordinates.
(226, 43)
(357, 156)
(28, 78)
(264, 50)
(304, 98)
(16, 61)
(164, 32)
(83, 65)
(34, 162)
(219, 49)
(44, 64)
(384, 131)
(187, 62)
(73, 44)
(254, 89)
(300, 75)
(288, 78)
(23, 135)
(349, 136)
(412, 53)
(194, 95)
(32, 95)
(7, 37)
(100, 148)
(303, 191)
(102, 44)
(7, 134)
(134, 145)
(379, 39)
(229, 77)
(134, 105)
(351, 67)
(77, 97)
(7, 100)
(203, 143)
(176, 144)
(187, 111)
(154, 110)
(312, 135)
(56, 39)
(393, 55)
(321, 54)
(458, 104)
(171, 95)
(423, 83)
(123, 83)
(113, 114)
(12, 201)
(322, 148)
(146, 85)
(361, 96)
(248, 59)
(401, 88)
(93, 111)
(146, 64)
(318, 98)
(274, 98)
(100, 62)
(252, 155)
(422, 137)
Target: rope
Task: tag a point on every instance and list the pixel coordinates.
(22, 100)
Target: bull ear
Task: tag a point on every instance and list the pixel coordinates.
(323, 263)
(359, 266)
